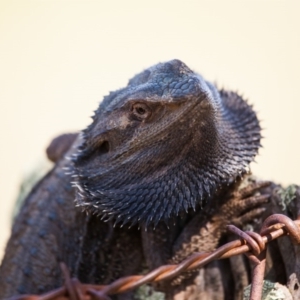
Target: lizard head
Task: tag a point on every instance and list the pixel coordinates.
(162, 145)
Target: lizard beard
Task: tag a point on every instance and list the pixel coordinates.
(177, 172)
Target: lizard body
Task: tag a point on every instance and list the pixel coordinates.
(156, 153)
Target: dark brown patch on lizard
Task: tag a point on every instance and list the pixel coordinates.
(60, 145)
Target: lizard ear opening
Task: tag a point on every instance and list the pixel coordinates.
(104, 148)
(97, 151)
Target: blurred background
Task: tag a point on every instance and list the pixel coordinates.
(59, 58)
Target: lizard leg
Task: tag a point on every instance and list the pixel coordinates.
(204, 232)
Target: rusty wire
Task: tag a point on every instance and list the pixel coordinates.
(250, 243)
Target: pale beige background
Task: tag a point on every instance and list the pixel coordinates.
(58, 59)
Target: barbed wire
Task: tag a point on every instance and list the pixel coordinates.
(250, 243)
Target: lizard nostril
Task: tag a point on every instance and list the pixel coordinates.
(104, 147)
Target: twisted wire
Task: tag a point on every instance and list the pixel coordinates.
(250, 243)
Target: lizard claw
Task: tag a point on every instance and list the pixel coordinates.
(246, 204)
(253, 201)
(248, 217)
(251, 189)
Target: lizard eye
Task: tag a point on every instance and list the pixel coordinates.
(141, 111)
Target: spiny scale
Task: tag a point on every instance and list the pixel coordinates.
(189, 140)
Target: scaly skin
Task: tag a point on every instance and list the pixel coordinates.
(157, 151)
(162, 145)
(49, 230)
(46, 231)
